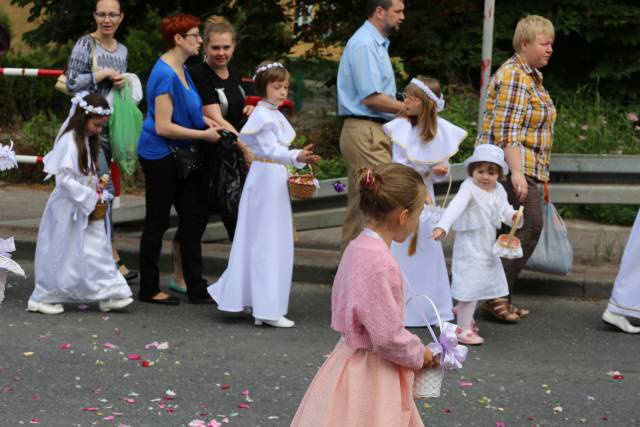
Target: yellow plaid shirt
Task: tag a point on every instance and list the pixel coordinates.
(520, 113)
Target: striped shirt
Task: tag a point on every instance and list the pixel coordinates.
(520, 113)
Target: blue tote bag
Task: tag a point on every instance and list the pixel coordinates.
(554, 253)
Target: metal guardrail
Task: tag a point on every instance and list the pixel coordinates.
(575, 179)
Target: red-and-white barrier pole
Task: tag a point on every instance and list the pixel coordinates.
(29, 72)
(116, 175)
(30, 160)
(487, 47)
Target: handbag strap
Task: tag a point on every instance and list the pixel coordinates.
(546, 192)
(94, 55)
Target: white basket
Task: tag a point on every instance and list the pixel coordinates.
(508, 253)
(428, 382)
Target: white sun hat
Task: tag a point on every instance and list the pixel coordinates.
(488, 153)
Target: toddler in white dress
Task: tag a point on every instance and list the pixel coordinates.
(475, 213)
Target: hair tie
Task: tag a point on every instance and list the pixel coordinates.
(423, 87)
(369, 179)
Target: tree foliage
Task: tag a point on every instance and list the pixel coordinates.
(264, 30)
(596, 40)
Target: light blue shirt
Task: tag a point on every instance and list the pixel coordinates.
(365, 68)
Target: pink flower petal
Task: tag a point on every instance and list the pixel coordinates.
(245, 392)
(213, 423)
(135, 356)
(500, 424)
(243, 405)
(130, 400)
(109, 418)
(90, 409)
(109, 346)
(65, 346)
(465, 384)
(35, 421)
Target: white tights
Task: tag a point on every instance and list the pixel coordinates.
(465, 313)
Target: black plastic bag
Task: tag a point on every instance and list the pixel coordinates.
(228, 176)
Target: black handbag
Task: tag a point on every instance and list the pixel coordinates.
(228, 176)
(189, 158)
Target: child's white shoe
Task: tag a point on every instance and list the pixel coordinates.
(620, 322)
(282, 322)
(43, 307)
(114, 304)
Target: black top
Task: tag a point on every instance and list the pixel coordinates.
(215, 90)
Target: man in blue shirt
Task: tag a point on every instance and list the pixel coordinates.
(367, 99)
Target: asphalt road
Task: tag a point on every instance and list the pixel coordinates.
(553, 369)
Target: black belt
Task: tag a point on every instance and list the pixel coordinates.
(371, 119)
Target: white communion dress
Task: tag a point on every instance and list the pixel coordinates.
(73, 261)
(475, 215)
(426, 270)
(261, 260)
(625, 297)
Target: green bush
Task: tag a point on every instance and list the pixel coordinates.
(40, 131)
(22, 97)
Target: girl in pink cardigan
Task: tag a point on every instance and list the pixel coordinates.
(368, 378)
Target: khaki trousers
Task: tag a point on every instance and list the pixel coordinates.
(362, 144)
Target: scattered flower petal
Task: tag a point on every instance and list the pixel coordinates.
(243, 405)
(65, 346)
(28, 353)
(135, 356)
(35, 421)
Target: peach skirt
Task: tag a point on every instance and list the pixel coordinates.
(358, 388)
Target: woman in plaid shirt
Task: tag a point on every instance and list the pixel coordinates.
(519, 117)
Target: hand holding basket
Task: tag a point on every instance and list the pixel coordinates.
(428, 382)
(303, 186)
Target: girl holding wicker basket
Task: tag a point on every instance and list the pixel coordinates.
(424, 142)
(368, 378)
(73, 262)
(258, 276)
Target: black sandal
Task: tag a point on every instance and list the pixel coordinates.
(131, 275)
(169, 300)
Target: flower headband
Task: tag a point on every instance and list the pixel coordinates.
(267, 67)
(79, 101)
(423, 87)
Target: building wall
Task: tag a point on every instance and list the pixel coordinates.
(19, 25)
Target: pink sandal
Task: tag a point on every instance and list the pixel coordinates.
(468, 337)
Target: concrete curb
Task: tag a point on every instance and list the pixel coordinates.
(319, 267)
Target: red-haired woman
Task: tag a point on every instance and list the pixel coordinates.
(173, 123)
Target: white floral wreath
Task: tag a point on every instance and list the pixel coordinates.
(80, 102)
(423, 87)
(267, 67)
